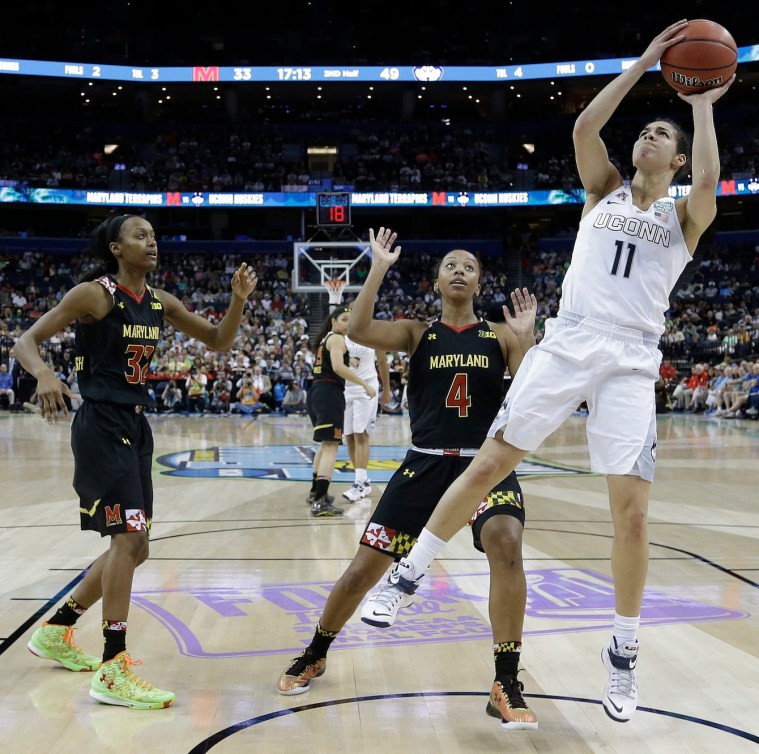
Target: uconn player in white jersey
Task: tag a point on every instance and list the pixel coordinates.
(361, 413)
(602, 348)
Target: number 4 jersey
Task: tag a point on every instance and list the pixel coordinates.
(626, 262)
(455, 385)
(113, 354)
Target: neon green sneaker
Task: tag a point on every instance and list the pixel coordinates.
(53, 642)
(115, 683)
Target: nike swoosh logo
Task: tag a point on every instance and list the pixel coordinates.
(609, 201)
(619, 709)
(379, 615)
(633, 663)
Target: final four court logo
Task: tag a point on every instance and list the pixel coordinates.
(294, 463)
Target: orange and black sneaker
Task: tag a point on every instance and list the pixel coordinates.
(303, 669)
(507, 703)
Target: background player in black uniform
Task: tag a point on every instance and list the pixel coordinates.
(325, 404)
(118, 323)
(456, 375)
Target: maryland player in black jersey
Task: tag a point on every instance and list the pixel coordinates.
(325, 403)
(118, 319)
(455, 388)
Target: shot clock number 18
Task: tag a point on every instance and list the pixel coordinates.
(333, 209)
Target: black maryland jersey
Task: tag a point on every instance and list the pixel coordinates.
(455, 386)
(113, 355)
(323, 363)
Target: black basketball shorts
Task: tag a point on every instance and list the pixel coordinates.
(113, 454)
(416, 488)
(325, 403)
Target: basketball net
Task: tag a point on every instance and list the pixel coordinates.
(334, 288)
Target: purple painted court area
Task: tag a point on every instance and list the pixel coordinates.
(561, 600)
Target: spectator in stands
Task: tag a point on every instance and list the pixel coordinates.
(737, 398)
(263, 386)
(6, 385)
(196, 386)
(172, 399)
(248, 402)
(294, 401)
(683, 393)
(220, 395)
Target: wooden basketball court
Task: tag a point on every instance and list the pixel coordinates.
(239, 572)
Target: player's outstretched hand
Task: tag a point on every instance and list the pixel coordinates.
(671, 35)
(522, 322)
(710, 95)
(382, 246)
(244, 281)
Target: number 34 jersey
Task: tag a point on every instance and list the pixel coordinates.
(626, 262)
(455, 386)
(113, 354)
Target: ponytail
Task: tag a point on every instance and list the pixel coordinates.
(100, 248)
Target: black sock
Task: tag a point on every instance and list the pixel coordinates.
(320, 644)
(506, 655)
(321, 486)
(114, 635)
(68, 614)
(313, 482)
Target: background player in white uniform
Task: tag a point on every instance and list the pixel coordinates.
(361, 412)
(632, 244)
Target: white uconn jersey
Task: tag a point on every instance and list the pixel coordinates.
(362, 363)
(625, 262)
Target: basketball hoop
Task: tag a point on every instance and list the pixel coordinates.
(334, 288)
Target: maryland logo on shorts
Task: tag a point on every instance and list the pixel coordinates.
(135, 520)
(112, 515)
(497, 498)
(387, 540)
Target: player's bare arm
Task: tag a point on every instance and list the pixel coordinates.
(219, 337)
(597, 174)
(87, 302)
(401, 335)
(699, 208)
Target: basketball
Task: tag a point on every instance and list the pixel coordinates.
(706, 58)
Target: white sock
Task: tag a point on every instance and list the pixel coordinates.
(424, 551)
(361, 476)
(625, 628)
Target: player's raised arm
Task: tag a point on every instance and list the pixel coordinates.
(401, 335)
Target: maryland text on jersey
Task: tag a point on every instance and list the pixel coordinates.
(448, 360)
(142, 331)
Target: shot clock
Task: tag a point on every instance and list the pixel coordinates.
(333, 209)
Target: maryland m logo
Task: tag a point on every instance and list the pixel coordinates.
(112, 515)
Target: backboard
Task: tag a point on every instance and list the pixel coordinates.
(317, 261)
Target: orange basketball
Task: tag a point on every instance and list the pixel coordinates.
(706, 58)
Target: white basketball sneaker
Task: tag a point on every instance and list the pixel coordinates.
(620, 697)
(381, 609)
(353, 493)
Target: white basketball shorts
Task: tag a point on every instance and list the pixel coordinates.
(613, 369)
(360, 411)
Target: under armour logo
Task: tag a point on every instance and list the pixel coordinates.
(432, 336)
(125, 440)
(408, 473)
